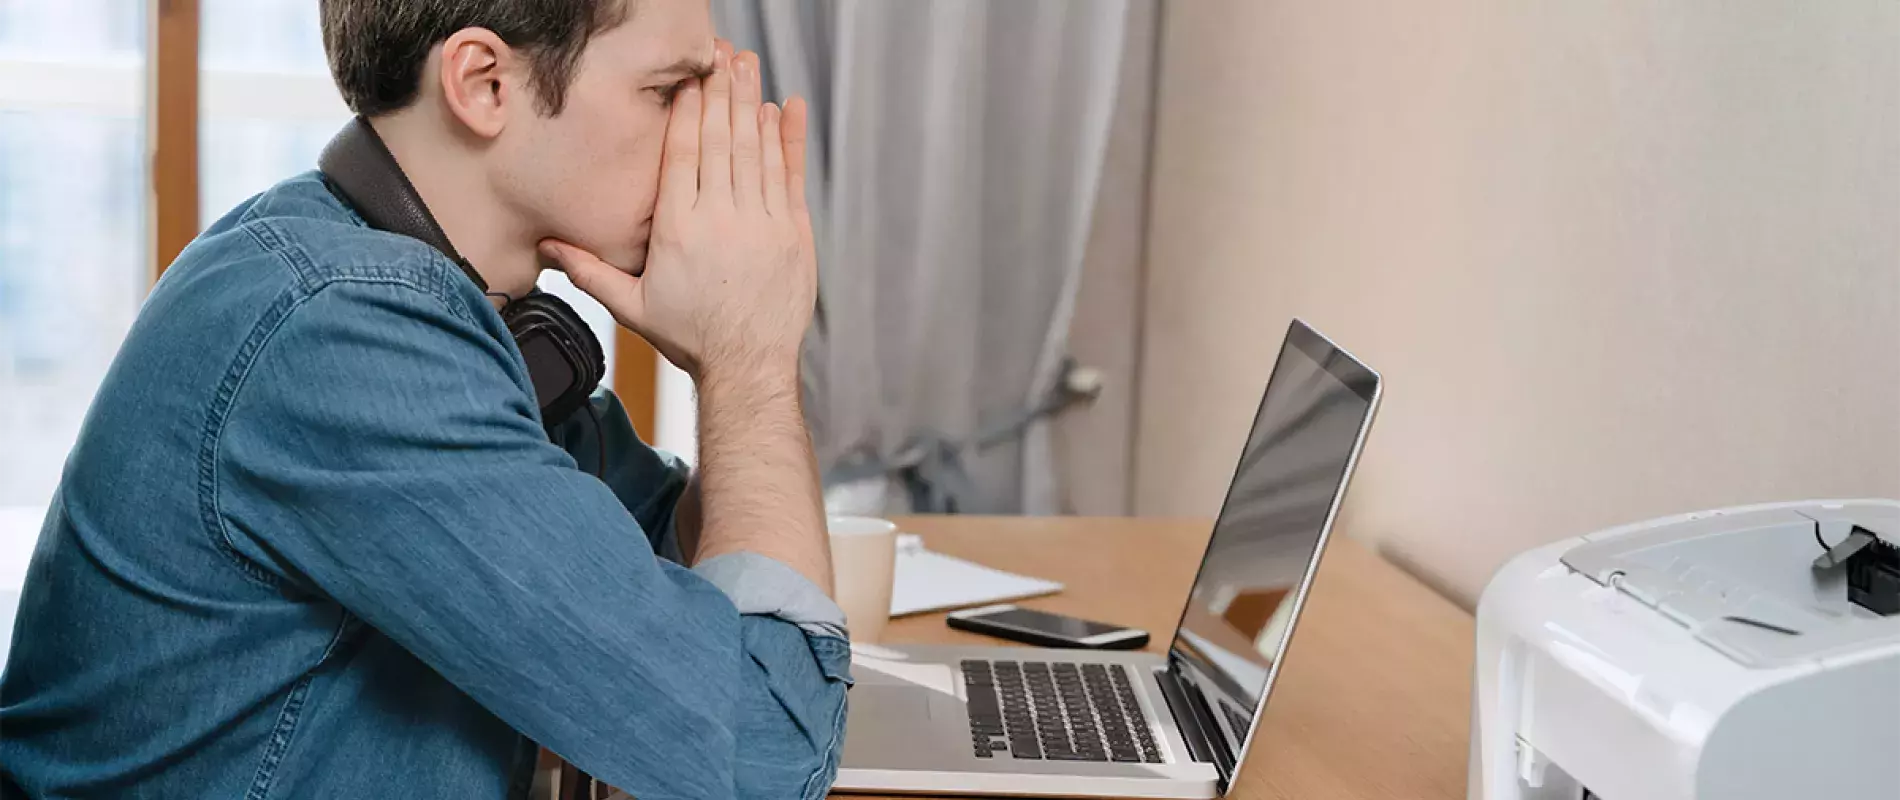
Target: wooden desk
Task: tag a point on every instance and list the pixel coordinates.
(1372, 702)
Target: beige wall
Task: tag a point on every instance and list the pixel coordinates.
(1094, 444)
(1616, 259)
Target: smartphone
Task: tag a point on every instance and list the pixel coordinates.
(1027, 625)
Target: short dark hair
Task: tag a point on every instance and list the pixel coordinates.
(377, 48)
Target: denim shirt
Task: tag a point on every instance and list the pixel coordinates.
(313, 541)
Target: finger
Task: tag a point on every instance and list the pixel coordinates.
(617, 291)
(746, 185)
(715, 130)
(679, 177)
(792, 132)
(772, 160)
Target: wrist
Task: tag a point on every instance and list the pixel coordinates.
(748, 383)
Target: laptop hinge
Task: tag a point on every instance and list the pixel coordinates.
(1195, 720)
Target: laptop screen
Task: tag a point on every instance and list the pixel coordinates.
(1272, 526)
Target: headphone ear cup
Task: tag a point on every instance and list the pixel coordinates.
(565, 361)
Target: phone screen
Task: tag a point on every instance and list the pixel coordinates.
(1055, 624)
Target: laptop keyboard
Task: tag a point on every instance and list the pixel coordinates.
(1058, 712)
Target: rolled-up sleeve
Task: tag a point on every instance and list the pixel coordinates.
(764, 586)
(384, 451)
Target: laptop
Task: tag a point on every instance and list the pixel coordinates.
(1086, 723)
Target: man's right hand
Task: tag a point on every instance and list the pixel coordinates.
(728, 290)
(731, 276)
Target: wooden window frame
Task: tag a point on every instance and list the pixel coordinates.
(636, 381)
(172, 109)
(172, 105)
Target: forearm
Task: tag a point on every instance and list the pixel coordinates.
(788, 711)
(757, 477)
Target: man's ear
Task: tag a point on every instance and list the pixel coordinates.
(480, 77)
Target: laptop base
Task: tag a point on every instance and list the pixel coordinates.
(910, 732)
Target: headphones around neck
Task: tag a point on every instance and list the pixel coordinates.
(564, 359)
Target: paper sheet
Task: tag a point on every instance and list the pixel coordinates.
(927, 581)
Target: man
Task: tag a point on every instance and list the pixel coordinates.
(314, 541)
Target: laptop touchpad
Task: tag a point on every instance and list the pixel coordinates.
(872, 671)
(885, 725)
(890, 702)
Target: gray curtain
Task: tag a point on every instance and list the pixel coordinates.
(957, 148)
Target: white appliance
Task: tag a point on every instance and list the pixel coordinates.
(1713, 655)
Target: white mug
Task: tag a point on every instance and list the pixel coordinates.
(863, 560)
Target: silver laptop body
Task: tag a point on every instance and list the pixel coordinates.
(1083, 723)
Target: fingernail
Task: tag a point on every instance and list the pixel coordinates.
(548, 250)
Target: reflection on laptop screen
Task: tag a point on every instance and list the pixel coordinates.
(1304, 436)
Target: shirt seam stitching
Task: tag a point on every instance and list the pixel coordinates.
(282, 734)
(813, 787)
(225, 398)
(211, 442)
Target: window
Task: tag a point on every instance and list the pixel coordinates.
(266, 101)
(74, 188)
(73, 263)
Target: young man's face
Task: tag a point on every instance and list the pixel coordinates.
(589, 175)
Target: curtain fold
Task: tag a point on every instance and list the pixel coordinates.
(957, 151)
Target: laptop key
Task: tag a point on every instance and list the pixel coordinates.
(1056, 712)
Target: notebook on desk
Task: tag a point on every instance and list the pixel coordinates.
(927, 581)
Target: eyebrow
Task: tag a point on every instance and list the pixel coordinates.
(688, 68)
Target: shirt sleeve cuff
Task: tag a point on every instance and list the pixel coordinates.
(759, 585)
